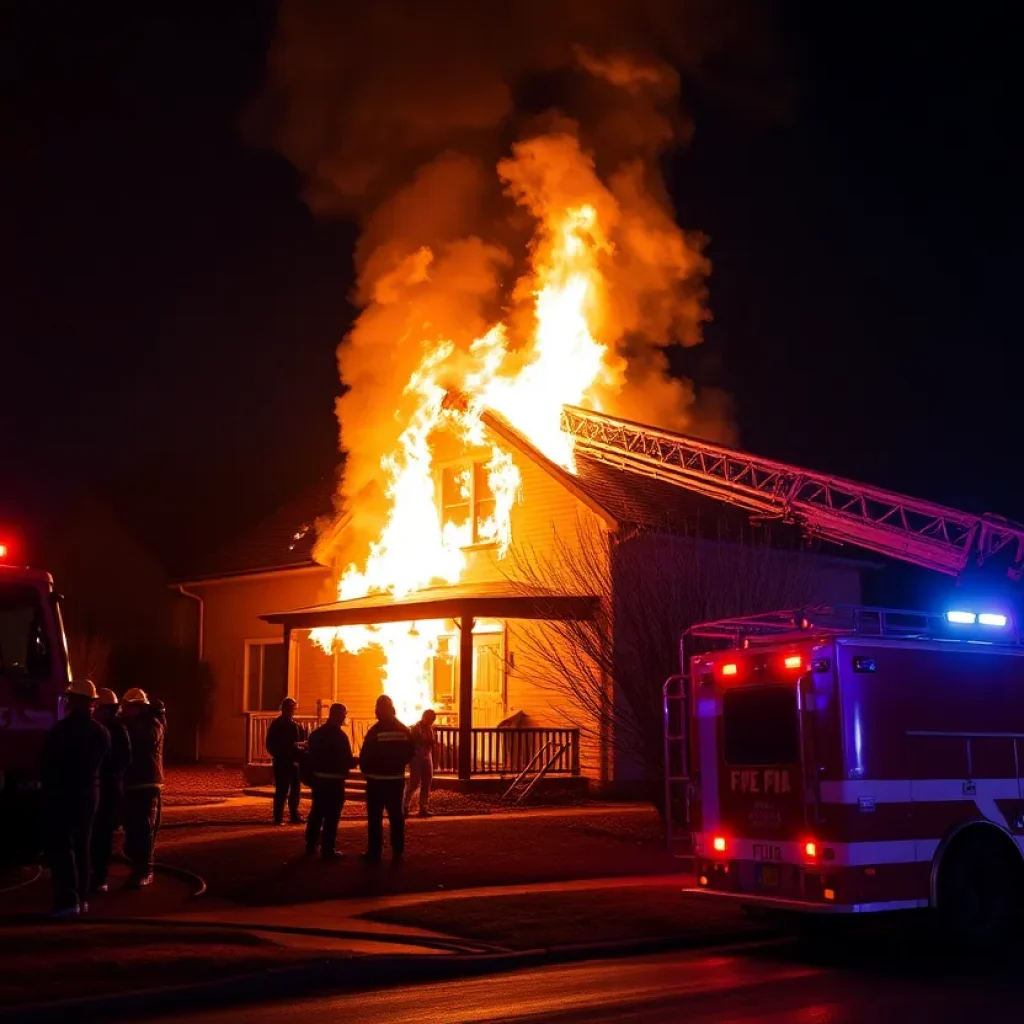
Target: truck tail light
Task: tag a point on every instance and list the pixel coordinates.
(794, 661)
(811, 850)
(729, 669)
(718, 844)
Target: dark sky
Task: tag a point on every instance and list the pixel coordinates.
(169, 309)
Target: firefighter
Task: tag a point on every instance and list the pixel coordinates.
(283, 738)
(328, 763)
(386, 751)
(108, 813)
(421, 768)
(73, 755)
(143, 782)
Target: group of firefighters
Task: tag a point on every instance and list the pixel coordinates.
(101, 766)
(324, 760)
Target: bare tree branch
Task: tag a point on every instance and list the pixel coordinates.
(606, 674)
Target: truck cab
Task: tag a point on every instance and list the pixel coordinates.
(34, 672)
(855, 760)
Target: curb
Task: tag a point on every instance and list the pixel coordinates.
(359, 973)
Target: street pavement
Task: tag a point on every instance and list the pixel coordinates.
(768, 985)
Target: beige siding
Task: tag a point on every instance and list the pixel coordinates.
(546, 510)
(232, 610)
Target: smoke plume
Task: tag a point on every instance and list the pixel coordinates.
(448, 129)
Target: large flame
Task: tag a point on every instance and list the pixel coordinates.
(563, 362)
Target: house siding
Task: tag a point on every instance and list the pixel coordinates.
(232, 610)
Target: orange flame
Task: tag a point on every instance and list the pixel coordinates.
(564, 361)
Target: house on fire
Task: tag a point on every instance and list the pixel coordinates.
(252, 608)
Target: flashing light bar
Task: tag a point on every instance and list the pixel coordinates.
(962, 618)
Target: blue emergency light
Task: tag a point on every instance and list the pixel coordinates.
(963, 618)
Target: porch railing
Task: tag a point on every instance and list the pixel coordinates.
(258, 722)
(494, 752)
(506, 751)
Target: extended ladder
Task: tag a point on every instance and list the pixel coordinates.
(843, 511)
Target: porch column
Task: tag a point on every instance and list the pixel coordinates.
(287, 657)
(465, 696)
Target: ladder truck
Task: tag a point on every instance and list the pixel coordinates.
(843, 760)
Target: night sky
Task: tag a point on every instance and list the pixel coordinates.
(169, 308)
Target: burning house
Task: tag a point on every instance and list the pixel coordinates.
(517, 255)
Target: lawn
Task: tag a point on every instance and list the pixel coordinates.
(77, 960)
(543, 920)
(266, 866)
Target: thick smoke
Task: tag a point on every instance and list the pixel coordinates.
(446, 127)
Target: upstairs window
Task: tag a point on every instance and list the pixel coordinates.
(468, 505)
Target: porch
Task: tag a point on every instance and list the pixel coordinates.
(499, 752)
(464, 750)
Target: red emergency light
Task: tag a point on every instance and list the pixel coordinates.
(729, 669)
(3, 551)
(794, 661)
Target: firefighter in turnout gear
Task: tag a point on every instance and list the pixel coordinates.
(108, 814)
(327, 766)
(143, 781)
(283, 739)
(73, 756)
(385, 752)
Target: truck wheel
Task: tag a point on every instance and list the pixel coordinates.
(979, 891)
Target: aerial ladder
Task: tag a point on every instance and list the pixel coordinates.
(832, 508)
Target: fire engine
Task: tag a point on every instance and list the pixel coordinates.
(34, 672)
(844, 760)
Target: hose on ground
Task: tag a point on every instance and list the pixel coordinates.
(37, 873)
(173, 871)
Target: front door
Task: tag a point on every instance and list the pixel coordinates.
(488, 680)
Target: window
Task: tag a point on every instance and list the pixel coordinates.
(24, 643)
(761, 726)
(468, 505)
(265, 685)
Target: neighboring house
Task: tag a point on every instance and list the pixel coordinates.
(258, 600)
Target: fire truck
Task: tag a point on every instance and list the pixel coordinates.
(34, 672)
(844, 760)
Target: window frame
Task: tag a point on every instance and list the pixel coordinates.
(264, 641)
(473, 465)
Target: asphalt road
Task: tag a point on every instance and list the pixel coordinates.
(773, 985)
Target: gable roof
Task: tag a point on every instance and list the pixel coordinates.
(283, 541)
(620, 498)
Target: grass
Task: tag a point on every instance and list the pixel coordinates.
(542, 920)
(83, 960)
(266, 866)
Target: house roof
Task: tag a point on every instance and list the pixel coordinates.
(283, 541)
(485, 600)
(286, 539)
